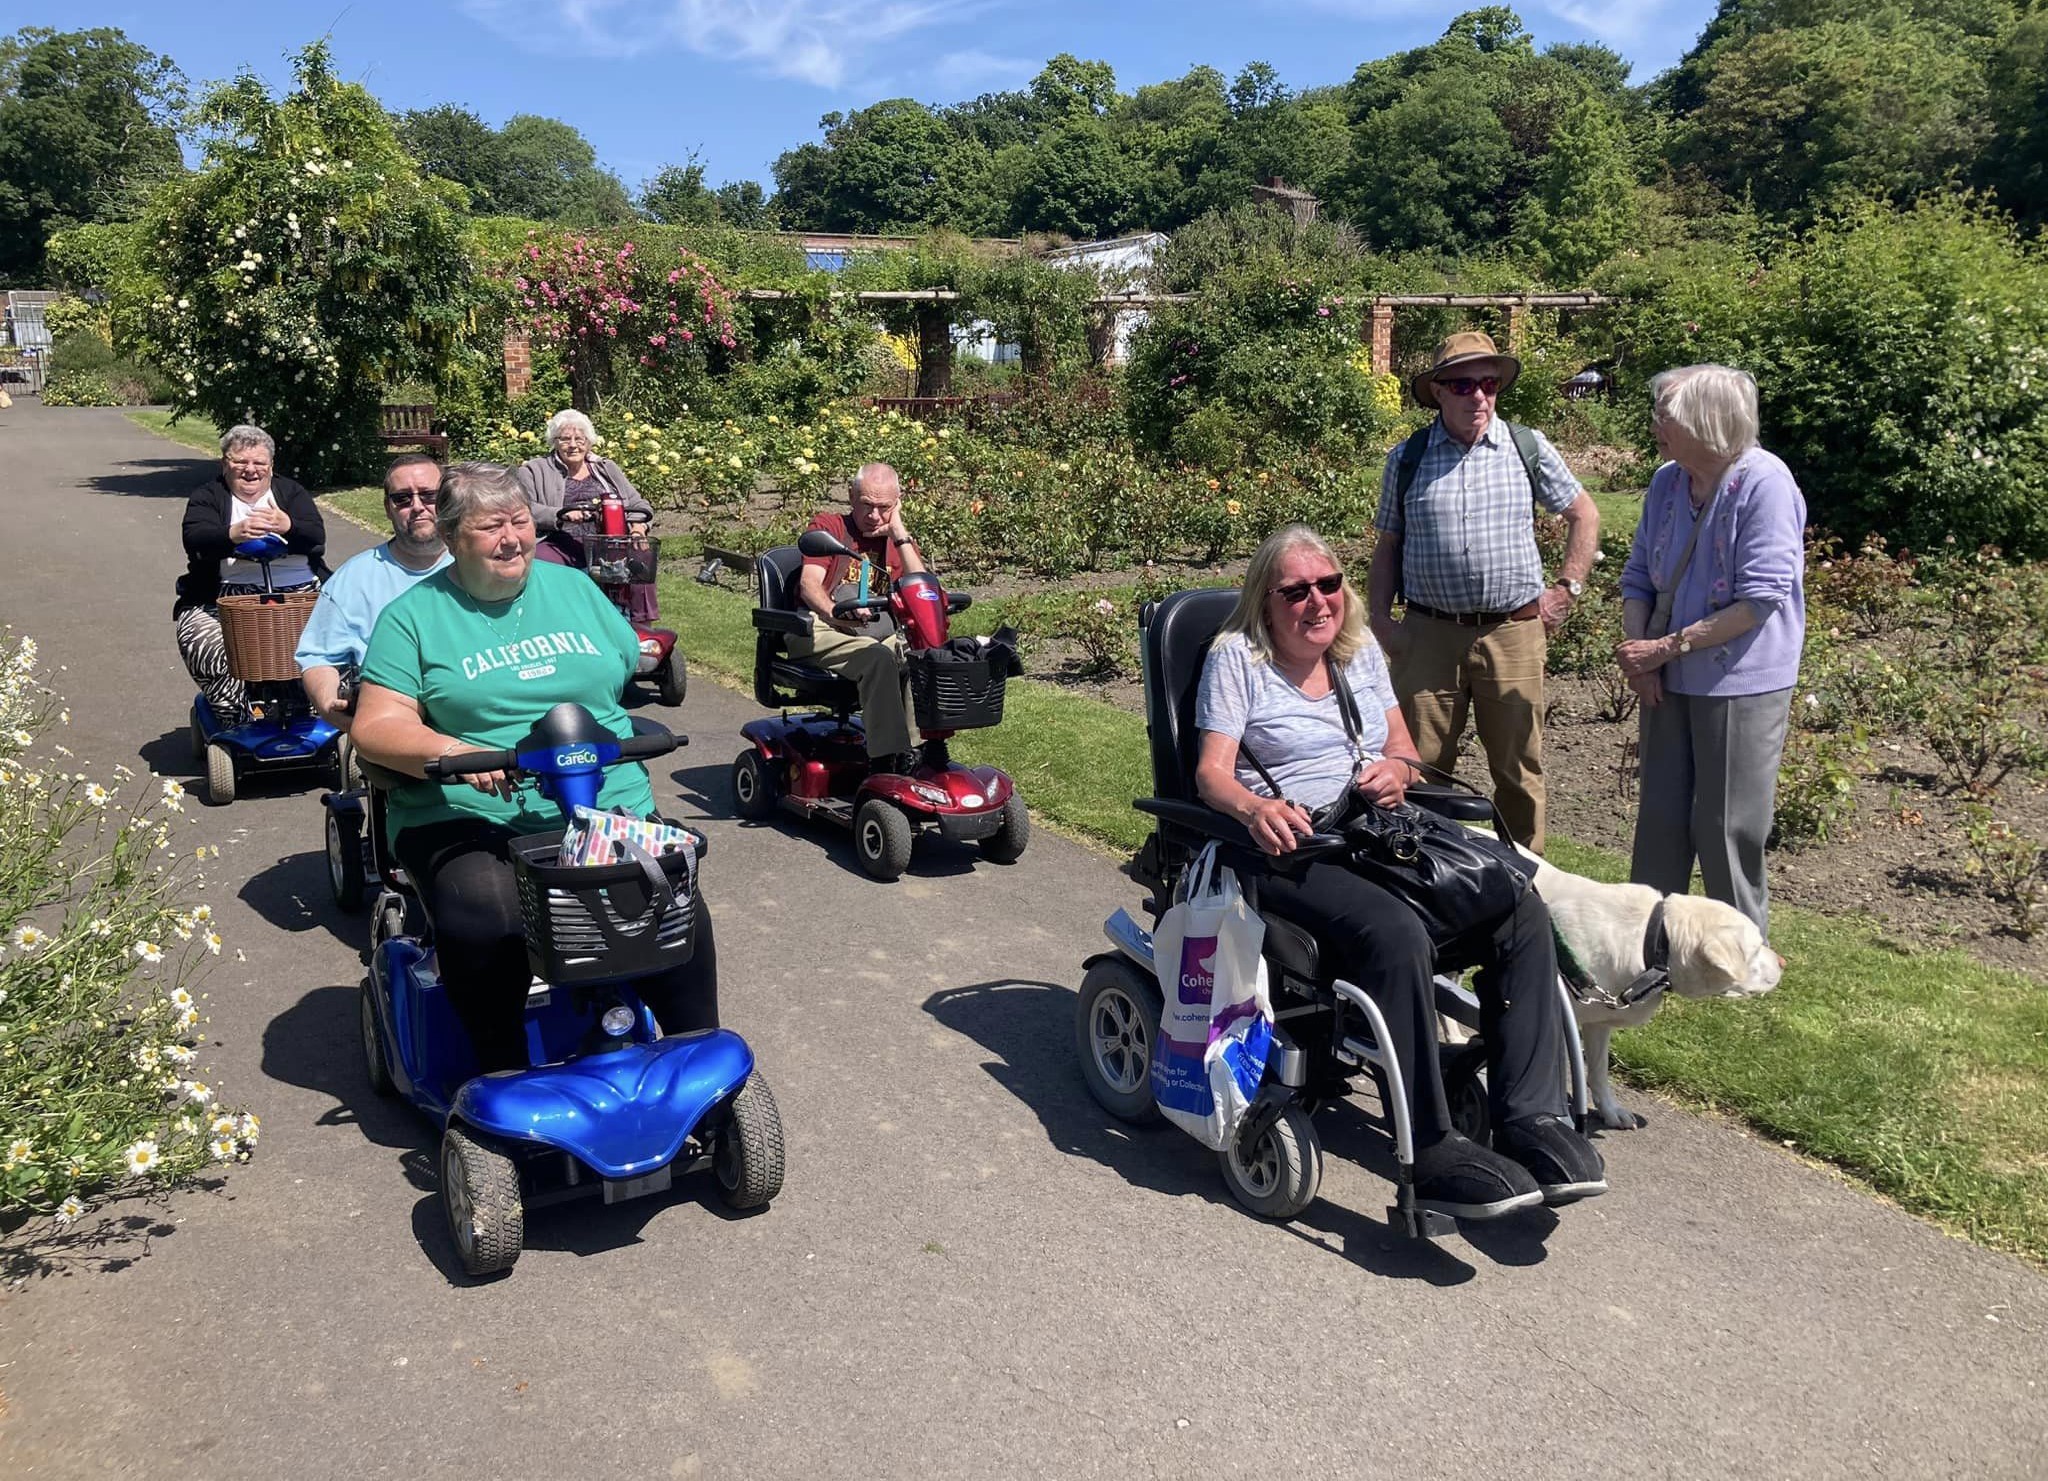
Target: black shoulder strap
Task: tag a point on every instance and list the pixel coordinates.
(1404, 471)
(1532, 454)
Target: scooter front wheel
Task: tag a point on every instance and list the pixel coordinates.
(376, 1068)
(881, 839)
(1276, 1173)
(747, 1156)
(344, 861)
(220, 775)
(480, 1197)
(753, 789)
(672, 679)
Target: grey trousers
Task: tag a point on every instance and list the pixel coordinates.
(877, 667)
(1709, 783)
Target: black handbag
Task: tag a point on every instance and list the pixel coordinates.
(1456, 880)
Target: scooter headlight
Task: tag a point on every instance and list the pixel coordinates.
(650, 646)
(617, 1021)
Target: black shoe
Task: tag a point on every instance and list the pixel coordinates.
(1563, 1163)
(902, 763)
(1458, 1177)
(936, 757)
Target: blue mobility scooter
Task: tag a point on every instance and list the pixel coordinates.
(1326, 1029)
(282, 731)
(606, 1104)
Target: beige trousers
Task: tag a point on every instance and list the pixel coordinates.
(1494, 674)
(876, 665)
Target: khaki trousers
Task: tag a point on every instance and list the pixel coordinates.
(1494, 674)
(876, 665)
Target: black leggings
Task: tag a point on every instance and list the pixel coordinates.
(464, 874)
(1370, 937)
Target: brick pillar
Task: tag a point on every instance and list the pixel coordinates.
(518, 363)
(1518, 319)
(935, 350)
(1380, 326)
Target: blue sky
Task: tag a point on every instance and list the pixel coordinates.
(739, 81)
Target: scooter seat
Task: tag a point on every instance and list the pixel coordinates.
(812, 684)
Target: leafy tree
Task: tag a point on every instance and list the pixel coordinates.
(551, 174)
(1804, 119)
(1582, 208)
(305, 268)
(677, 196)
(1432, 169)
(890, 167)
(1073, 181)
(743, 204)
(455, 144)
(86, 128)
(2015, 163)
(1068, 87)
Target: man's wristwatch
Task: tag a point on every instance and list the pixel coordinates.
(1575, 589)
(906, 540)
(1684, 643)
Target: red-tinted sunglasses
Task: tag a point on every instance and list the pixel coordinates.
(1296, 592)
(1465, 385)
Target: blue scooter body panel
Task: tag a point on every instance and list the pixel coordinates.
(622, 1113)
(293, 741)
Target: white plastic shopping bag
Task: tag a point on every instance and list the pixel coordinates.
(1216, 1027)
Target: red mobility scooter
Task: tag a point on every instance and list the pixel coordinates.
(619, 553)
(815, 764)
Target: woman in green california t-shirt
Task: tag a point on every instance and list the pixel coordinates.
(468, 660)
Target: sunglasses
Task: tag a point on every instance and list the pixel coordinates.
(1296, 592)
(406, 498)
(1466, 385)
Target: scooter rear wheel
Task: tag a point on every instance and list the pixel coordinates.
(376, 1068)
(753, 789)
(1116, 1025)
(747, 1155)
(198, 740)
(344, 862)
(220, 775)
(480, 1197)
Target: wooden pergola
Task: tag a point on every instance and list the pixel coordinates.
(1379, 315)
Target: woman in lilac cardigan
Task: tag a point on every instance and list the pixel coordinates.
(1714, 622)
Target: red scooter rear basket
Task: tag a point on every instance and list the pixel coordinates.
(948, 692)
(600, 922)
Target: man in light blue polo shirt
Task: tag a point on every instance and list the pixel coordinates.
(338, 633)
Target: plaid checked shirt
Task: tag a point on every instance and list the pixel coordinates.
(1468, 532)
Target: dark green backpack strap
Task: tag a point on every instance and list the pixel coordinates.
(1532, 454)
(1404, 471)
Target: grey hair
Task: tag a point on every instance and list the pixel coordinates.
(569, 416)
(247, 435)
(1249, 615)
(1715, 405)
(472, 490)
(857, 484)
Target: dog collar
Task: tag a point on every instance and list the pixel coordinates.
(1656, 973)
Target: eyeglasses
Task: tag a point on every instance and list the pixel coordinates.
(406, 498)
(244, 467)
(1296, 592)
(1465, 385)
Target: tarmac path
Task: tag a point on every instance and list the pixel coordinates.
(971, 1271)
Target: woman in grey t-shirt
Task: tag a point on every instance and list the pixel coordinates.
(1269, 691)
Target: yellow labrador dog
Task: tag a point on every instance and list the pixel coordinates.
(1615, 931)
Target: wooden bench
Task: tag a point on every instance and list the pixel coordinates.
(412, 426)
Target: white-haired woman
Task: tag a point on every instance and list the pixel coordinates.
(248, 499)
(1271, 691)
(468, 659)
(1714, 612)
(564, 488)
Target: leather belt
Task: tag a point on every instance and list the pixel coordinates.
(1476, 619)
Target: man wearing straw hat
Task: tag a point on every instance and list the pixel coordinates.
(1457, 547)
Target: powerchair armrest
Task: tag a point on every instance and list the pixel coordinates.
(1449, 802)
(788, 624)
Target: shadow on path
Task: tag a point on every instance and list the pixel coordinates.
(155, 478)
(1029, 1027)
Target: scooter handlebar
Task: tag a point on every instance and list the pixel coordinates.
(470, 763)
(853, 605)
(645, 746)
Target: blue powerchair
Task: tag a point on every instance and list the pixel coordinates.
(1326, 1027)
(606, 1105)
(282, 731)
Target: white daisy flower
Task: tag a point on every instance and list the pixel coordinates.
(96, 794)
(69, 1210)
(28, 938)
(186, 1019)
(146, 1057)
(180, 998)
(174, 792)
(248, 1127)
(22, 738)
(202, 913)
(100, 927)
(142, 1158)
(179, 1055)
(20, 1150)
(197, 1093)
(213, 942)
(222, 1125)
(149, 951)
(222, 1148)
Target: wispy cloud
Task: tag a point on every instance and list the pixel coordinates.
(959, 73)
(816, 41)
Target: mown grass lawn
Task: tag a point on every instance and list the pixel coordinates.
(1925, 1074)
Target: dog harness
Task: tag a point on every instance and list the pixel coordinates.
(1654, 978)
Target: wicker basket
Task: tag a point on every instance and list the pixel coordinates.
(262, 633)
